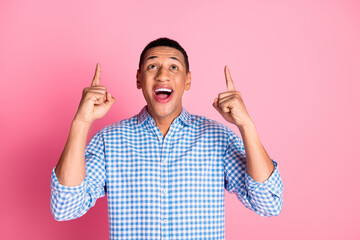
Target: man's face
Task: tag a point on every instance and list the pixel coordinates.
(163, 79)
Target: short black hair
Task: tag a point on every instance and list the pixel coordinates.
(165, 42)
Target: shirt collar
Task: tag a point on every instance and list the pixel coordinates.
(144, 115)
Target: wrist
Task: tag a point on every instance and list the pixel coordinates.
(250, 126)
(80, 124)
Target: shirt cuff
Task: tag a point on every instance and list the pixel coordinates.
(272, 184)
(58, 187)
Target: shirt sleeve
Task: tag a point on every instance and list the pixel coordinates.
(264, 198)
(68, 203)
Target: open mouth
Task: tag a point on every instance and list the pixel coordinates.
(163, 94)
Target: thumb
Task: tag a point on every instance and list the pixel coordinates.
(109, 100)
(216, 105)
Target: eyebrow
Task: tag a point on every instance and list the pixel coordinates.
(175, 58)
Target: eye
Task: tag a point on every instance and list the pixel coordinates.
(174, 67)
(152, 66)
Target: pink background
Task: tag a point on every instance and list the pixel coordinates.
(296, 64)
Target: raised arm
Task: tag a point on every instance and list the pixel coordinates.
(259, 187)
(231, 106)
(94, 104)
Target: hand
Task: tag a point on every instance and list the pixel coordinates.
(230, 104)
(95, 101)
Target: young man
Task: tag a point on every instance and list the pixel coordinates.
(164, 170)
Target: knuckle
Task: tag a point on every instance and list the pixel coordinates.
(88, 95)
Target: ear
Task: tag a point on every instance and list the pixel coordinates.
(138, 79)
(188, 81)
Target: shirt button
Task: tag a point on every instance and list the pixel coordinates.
(165, 191)
(163, 162)
(165, 221)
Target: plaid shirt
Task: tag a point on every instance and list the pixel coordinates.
(168, 187)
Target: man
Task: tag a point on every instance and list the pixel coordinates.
(164, 170)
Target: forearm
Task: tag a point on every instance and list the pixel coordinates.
(258, 163)
(70, 169)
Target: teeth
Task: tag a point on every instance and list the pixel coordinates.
(163, 90)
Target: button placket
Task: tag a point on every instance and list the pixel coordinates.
(163, 188)
(164, 165)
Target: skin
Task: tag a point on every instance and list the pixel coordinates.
(94, 104)
(232, 108)
(163, 66)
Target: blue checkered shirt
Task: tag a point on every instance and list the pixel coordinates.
(168, 187)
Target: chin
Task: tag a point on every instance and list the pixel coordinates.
(163, 110)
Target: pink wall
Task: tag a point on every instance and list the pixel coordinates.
(296, 64)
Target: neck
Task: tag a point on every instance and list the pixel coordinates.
(164, 123)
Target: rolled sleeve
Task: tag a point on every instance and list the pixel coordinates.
(68, 203)
(273, 184)
(57, 187)
(266, 198)
(263, 198)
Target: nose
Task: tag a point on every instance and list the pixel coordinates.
(162, 75)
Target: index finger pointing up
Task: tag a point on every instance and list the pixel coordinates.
(229, 81)
(96, 80)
